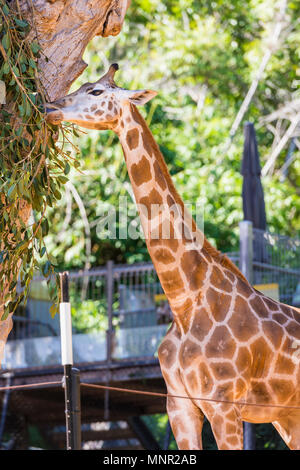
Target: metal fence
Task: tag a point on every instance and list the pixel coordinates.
(271, 262)
(120, 311)
(276, 260)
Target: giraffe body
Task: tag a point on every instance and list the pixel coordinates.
(228, 342)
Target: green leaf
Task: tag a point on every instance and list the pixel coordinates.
(32, 63)
(53, 310)
(46, 268)
(6, 68)
(21, 23)
(11, 190)
(5, 315)
(5, 9)
(35, 47)
(45, 227)
(22, 110)
(6, 41)
(67, 169)
(63, 179)
(43, 251)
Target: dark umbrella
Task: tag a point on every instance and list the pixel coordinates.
(254, 210)
(253, 195)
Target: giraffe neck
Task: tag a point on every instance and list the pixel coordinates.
(180, 253)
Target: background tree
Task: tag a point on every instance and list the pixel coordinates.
(202, 58)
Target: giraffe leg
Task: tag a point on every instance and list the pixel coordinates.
(186, 421)
(226, 425)
(289, 429)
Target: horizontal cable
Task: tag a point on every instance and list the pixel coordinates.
(153, 394)
(167, 395)
(29, 386)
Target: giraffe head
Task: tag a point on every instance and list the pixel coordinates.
(96, 105)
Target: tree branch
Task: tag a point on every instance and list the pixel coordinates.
(282, 143)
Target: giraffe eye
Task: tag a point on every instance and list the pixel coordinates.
(96, 92)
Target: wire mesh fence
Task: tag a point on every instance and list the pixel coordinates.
(276, 261)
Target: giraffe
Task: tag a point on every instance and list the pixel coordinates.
(228, 342)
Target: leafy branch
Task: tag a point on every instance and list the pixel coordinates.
(33, 166)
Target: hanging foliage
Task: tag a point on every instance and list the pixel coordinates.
(33, 165)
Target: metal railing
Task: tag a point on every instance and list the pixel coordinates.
(120, 311)
(271, 262)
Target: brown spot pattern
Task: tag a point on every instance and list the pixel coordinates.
(201, 324)
(221, 344)
(242, 322)
(243, 361)
(243, 288)
(154, 198)
(167, 353)
(172, 282)
(282, 388)
(219, 281)
(194, 268)
(272, 305)
(183, 312)
(189, 351)
(293, 328)
(141, 172)
(159, 177)
(261, 358)
(219, 303)
(229, 275)
(284, 365)
(163, 255)
(279, 318)
(223, 370)
(260, 391)
(206, 380)
(192, 381)
(273, 332)
(259, 307)
(132, 138)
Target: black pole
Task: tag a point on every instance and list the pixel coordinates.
(167, 436)
(249, 436)
(72, 407)
(71, 384)
(64, 287)
(109, 331)
(5, 406)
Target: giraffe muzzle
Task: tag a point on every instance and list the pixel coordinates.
(53, 114)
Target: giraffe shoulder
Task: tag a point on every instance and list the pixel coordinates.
(168, 348)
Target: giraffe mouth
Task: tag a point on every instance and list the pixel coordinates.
(53, 115)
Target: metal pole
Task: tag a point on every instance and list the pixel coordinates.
(109, 296)
(71, 382)
(8, 377)
(246, 266)
(246, 249)
(109, 331)
(167, 436)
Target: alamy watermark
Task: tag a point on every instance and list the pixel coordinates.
(151, 221)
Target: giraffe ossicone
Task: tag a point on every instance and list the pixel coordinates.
(228, 342)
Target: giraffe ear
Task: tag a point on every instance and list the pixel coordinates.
(140, 97)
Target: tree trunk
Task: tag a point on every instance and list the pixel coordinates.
(63, 29)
